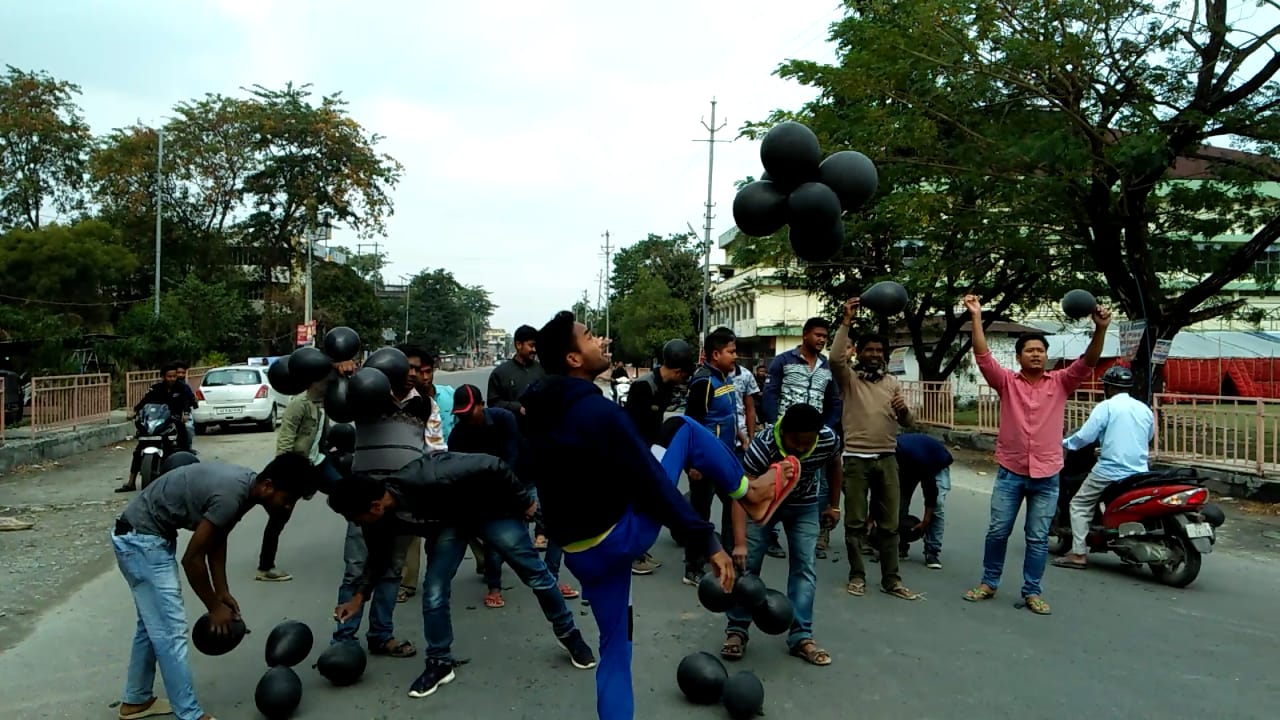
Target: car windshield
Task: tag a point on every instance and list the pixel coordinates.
(217, 378)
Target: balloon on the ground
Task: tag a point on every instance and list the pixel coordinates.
(289, 643)
(1079, 304)
(309, 365)
(177, 460)
(342, 663)
(760, 208)
(341, 437)
(368, 394)
(906, 529)
(817, 244)
(278, 693)
(337, 401)
(210, 644)
(341, 344)
(712, 595)
(852, 176)
(701, 678)
(392, 363)
(790, 153)
(774, 616)
(743, 696)
(886, 298)
(749, 592)
(281, 380)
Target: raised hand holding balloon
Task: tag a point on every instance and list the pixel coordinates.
(800, 189)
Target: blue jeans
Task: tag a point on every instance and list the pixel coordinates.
(493, 561)
(150, 565)
(509, 538)
(933, 533)
(383, 603)
(1006, 499)
(605, 568)
(800, 522)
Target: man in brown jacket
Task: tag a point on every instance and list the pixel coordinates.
(873, 409)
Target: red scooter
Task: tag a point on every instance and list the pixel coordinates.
(1161, 519)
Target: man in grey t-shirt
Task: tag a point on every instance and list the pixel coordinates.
(207, 499)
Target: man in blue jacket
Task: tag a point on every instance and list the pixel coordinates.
(926, 462)
(574, 435)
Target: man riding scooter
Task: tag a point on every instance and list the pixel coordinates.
(1125, 426)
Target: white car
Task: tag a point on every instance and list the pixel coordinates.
(237, 394)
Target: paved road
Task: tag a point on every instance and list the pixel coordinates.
(1117, 646)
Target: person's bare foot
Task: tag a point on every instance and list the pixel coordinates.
(762, 490)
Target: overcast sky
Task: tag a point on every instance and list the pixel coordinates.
(527, 129)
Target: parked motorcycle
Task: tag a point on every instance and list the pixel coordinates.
(157, 433)
(1161, 519)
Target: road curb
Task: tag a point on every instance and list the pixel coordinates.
(17, 452)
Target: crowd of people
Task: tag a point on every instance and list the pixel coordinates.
(795, 446)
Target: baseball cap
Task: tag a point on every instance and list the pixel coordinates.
(465, 398)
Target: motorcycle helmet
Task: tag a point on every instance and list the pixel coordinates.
(1118, 377)
(677, 355)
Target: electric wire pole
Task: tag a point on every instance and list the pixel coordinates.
(711, 141)
(608, 252)
(159, 211)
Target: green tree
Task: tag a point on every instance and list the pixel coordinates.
(1069, 123)
(43, 146)
(676, 260)
(444, 315)
(647, 317)
(342, 297)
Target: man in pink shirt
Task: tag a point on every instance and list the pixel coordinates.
(1033, 403)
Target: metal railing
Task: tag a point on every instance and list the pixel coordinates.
(69, 401)
(138, 382)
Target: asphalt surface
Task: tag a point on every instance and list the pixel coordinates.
(1118, 645)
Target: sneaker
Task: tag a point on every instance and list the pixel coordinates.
(692, 577)
(568, 592)
(273, 575)
(932, 562)
(652, 560)
(775, 550)
(643, 566)
(579, 652)
(431, 679)
(820, 553)
(903, 553)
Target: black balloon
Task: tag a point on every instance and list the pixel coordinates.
(1079, 304)
(760, 209)
(743, 696)
(337, 402)
(341, 344)
(280, 378)
(278, 693)
(342, 663)
(289, 643)
(774, 616)
(817, 244)
(210, 644)
(749, 592)
(790, 154)
(177, 460)
(309, 365)
(392, 363)
(852, 176)
(368, 394)
(813, 205)
(341, 437)
(907, 529)
(886, 297)
(701, 678)
(712, 596)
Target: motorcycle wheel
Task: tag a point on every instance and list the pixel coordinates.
(1059, 544)
(1179, 574)
(150, 468)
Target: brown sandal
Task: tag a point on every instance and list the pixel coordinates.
(391, 648)
(809, 651)
(735, 646)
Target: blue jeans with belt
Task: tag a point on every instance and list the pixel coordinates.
(149, 564)
(383, 603)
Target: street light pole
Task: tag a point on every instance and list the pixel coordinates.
(311, 241)
(159, 209)
(408, 283)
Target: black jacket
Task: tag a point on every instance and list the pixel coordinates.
(443, 489)
(508, 382)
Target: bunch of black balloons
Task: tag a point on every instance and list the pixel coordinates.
(801, 189)
(704, 681)
(770, 610)
(280, 690)
(364, 395)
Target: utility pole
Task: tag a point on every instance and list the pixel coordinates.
(310, 236)
(712, 128)
(408, 282)
(159, 208)
(608, 253)
(599, 292)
